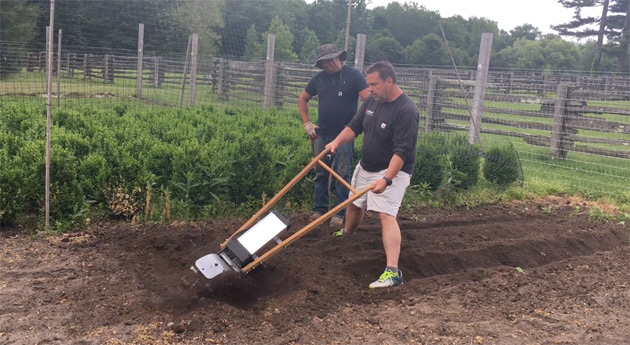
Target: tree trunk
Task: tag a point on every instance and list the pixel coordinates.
(625, 41)
(600, 38)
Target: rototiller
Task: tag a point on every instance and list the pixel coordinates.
(248, 247)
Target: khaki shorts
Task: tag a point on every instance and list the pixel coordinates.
(387, 202)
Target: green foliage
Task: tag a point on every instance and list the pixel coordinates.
(283, 41)
(446, 163)
(428, 169)
(428, 50)
(253, 46)
(307, 53)
(502, 165)
(18, 27)
(199, 161)
(465, 160)
(384, 48)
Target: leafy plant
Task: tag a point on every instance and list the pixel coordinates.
(548, 210)
(502, 165)
(464, 159)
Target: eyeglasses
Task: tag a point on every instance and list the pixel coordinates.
(326, 62)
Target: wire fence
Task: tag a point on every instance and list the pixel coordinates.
(569, 127)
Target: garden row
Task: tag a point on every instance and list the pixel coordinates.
(158, 164)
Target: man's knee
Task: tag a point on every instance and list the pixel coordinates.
(384, 217)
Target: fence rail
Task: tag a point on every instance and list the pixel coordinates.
(506, 93)
(589, 124)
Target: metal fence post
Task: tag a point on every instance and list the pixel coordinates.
(140, 57)
(270, 75)
(193, 69)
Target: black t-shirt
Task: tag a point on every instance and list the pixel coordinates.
(338, 98)
(390, 128)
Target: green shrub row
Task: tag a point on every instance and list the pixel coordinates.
(156, 163)
(446, 161)
(112, 158)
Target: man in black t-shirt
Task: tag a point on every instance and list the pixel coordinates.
(338, 88)
(389, 119)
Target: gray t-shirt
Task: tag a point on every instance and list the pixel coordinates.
(390, 128)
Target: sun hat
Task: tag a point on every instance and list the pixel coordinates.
(327, 52)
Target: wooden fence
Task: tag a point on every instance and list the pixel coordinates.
(440, 93)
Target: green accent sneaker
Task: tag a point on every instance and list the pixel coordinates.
(339, 233)
(388, 279)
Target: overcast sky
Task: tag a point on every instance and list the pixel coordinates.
(507, 13)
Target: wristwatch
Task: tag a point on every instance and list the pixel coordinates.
(389, 181)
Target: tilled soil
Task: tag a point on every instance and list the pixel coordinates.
(517, 273)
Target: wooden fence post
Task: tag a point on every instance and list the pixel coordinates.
(270, 75)
(434, 118)
(41, 59)
(140, 57)
(181, 94)
(48, 54)
(70, 70)
(59, 68)
(29, 62)
(481, 81)
(157, 82)
(193, 69)
(87, 69)
(225, 79)
(106, 69)
(219, 77)
(281, 89)
(559, 123)
(510, 85)
(359, 52)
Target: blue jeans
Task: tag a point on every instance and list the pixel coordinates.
(342, 161)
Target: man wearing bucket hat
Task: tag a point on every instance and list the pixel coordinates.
(338, 88)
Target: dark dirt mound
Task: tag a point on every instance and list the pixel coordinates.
(502, 274)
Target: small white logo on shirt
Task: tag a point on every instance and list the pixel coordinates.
(340, 93)
(368, 112)
(383, 125)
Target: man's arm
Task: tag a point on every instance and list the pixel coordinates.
(395, 164)
(303, 100)
(309, 127)
(364, 93)
(347, 135)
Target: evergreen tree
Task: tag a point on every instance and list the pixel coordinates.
(283, 42)
(307, 53)
(18, 27)
(581, 27)
(252, 43)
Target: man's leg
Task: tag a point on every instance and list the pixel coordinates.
(354, 216)
(343, 161)
(391, 238)
(320, 200)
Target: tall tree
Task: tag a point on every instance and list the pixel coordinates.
(252, 43)
(428, 50)
(384, 48)
(581, 27)
(283, 42)
(618, 32)
(307, 52)
(18, 21)
(200, 17)
(18, 27)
